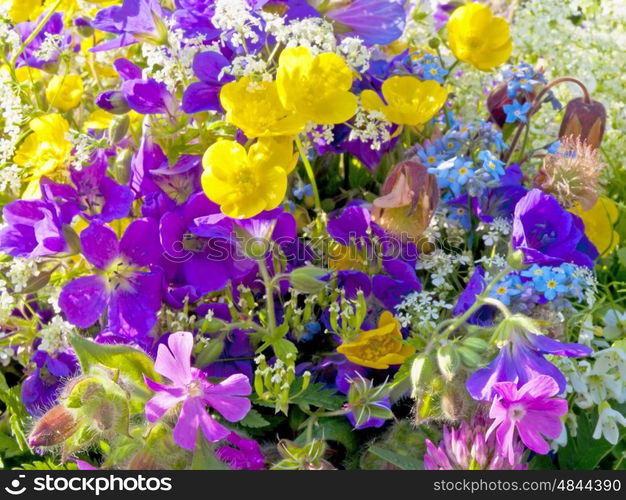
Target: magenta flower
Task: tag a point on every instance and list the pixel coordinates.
(531, 410)
(241, 453)
(190, 387)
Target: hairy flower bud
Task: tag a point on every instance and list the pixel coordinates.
(572, 174)
(584, 120)
(54, 427)
(410, 196)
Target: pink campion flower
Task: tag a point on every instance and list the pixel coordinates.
(241, 453)
(531, 410)
(190, 387)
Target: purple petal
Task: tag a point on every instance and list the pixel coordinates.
(174, 360)
(140, 242)
(83, 300)
(99, 244)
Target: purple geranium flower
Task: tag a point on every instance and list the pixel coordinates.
(132, 297)
(548, 234)
(483, 316)
(40, 388)
(53, 27)
(205, 94)
(521, 360)
(34, 228)
(201, 254)
(531, 410)
(194, 18)
(376, 22)
(190, 387)
(133, 21)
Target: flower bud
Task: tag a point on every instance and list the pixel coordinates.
(113, 101)
(72, 239)
(455, 402)
(83, 26)
(122, 166)
(308, 279)
(515, 260)
(410, 196)
(585, 120)
(210, 353)
(421, 373)
(448, 361)
(53, 428)
(119, 128)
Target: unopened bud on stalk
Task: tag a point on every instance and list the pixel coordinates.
(119, 128)
(410, 196)
(53, 428)
(308, 279)
(585, 120)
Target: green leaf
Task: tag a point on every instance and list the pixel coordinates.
(583, 452)
(48, 465)
(334, 429)
(131, 363)
(204, 457)
(254, 420)
(400, 461)
(316, 395)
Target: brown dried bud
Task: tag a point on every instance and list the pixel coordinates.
(584, 120)
(498, 99)
(410, 196)
(53, 428)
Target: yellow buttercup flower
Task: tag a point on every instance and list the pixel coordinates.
(64, 92)
(316, 88)
(378, 348)
(599, 221)
(409, 101)
(23, 10)
(44, 151)
(244, 183)
(255, 108)
(478, 37)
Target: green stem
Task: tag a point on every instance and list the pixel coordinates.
(310, 174)
(458, 321)
(35, 32)
(269, 293)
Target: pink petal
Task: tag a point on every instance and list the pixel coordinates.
(156, 387)
(235, 385)
(175, 362)
(505, 437)
(548, 424)
(232, 408)
(159, 404)
(507, 390)
(540, 387)
(211, 429)
(532, 439)
(186, 430)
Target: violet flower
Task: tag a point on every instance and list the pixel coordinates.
(132, 297)
(133, 21)
(40, 388)
(532, 411)
(190, 387)
(205, 94)
(521, 360)
(53, 27)
(549, 235)
(376, 22)
(241, 453)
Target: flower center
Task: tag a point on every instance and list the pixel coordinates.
(517, 412)
(194, 389)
